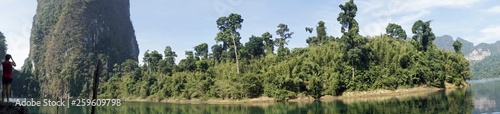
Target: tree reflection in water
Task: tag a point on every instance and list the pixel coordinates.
(454, 102)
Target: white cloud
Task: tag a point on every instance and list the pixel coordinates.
(18, 47)
(16, 24)
(495, 9)
(374, 15)
(490, 34)
(412, 18)
(384, 8)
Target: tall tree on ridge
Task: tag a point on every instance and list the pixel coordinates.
(255, 46)
(350, 30)
(320, 37)
(395, 31)
(457, 45)
(284, 34)
(228, 27)
(321, 32)
(201, 51)
(423, 32)
(269, 43)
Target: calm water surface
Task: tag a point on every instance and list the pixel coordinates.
(482, 97)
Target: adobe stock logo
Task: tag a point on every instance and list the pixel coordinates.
(223, 7)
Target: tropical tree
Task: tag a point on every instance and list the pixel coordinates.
(284, 34)
(217, 51)
(167, 66)
(268, 41)
(228, 31)
(423, 32)
(321, 32)
(395, 31)
(201, 51)
(309, 29)
(188, 64)
(255, 46)
(351, 38)
(457, 46)
(321, 37)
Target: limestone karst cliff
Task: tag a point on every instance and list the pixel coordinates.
(69, 36)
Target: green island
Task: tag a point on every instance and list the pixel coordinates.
(328, 68)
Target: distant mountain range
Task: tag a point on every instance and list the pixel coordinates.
(484, 58)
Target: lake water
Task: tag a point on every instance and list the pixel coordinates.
(482, 97)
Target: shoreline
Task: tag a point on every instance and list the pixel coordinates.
(355, 96)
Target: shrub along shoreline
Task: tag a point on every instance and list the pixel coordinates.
(347, 97)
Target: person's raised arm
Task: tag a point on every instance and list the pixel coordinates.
(13, 62)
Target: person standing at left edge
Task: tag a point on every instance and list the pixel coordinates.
(7, 76)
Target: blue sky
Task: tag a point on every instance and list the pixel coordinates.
(184, 24)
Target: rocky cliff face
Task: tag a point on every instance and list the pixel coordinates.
(69, 36)
(482, 51)
(478, 54)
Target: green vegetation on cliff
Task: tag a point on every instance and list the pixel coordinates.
(3, 45)
(67, 39)
(487, 68)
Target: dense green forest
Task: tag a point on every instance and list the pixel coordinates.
(481, 69)
(487, 68)
(329, 65)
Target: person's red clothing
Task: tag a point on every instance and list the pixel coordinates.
(7, 70)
